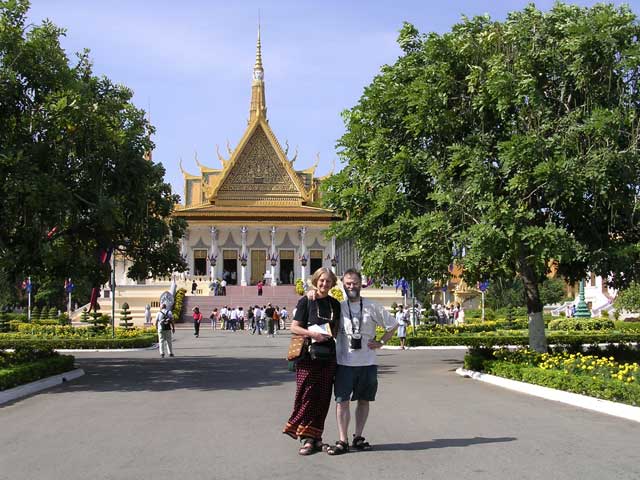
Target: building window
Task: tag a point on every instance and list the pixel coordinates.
(315, 257)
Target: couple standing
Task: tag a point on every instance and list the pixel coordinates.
(352, 371)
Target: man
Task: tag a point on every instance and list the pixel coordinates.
(357, 371)
(269, 314)
(284, 315)
(165, 327)
(257, 312)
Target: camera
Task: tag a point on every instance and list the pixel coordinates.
(355, 342)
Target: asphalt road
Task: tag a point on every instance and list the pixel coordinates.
(216, 411)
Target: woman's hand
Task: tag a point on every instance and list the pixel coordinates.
(319, 337)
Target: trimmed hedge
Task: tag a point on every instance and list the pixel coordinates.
(32, 371)
(487, 340)
(577, 324)
(16, 341)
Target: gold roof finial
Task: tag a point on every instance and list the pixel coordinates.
(258, 65)
(258, 106)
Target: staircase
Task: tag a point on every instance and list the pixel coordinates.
(281, 295)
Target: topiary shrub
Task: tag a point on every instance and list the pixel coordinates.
(125, 317)
(299, 287)
(53, 314)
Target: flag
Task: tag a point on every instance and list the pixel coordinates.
(68, 285)
(26, 284)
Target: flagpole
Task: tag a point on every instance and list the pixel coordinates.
(29, 301)
(69, 307)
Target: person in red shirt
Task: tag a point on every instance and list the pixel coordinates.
(197, 318)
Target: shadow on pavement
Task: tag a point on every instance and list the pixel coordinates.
(196, 373)
(441, 443)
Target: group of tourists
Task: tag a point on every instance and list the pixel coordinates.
(339, 356)
(452, 314)
(255, 319)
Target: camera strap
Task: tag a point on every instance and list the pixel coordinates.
(354, 330)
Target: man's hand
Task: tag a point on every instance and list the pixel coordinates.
(311, 294)
(320, 337)
(374, 344)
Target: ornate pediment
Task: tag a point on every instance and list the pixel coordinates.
(258, 173)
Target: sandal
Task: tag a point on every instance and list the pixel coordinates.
(309, 447)
(338, 449)
(360, 444)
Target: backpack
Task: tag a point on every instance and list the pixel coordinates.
(165, 322)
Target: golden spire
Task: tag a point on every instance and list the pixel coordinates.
(258, 103)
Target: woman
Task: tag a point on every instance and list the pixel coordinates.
(197, 318)
(401, 318)
(314, 378)
(214, 318)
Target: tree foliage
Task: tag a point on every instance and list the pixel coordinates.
(629, 298)
(501, 145)
(72, 160)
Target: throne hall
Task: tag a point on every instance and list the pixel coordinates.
(256, 217)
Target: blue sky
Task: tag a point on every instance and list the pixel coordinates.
(190, 63)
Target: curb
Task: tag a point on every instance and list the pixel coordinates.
(607, 407)
(39, 385)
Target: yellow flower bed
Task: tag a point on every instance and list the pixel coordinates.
(578, 364)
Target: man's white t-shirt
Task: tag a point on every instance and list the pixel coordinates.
(373, 315)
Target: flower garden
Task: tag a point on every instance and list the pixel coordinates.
(595, 357)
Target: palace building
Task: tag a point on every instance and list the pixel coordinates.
(256, 217)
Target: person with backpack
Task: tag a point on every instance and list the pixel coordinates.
(165, 327)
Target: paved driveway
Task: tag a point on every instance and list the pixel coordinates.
(217, 409)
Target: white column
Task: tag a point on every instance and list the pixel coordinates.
(213, 253)
(243, 253)
(183, 251)
(273, 257)
(334, 259)
(303, 253)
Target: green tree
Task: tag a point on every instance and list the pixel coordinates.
(75, 176)
(125, 316)
(629, 298)
(502, 145)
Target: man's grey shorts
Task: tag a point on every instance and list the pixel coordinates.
(356, 383)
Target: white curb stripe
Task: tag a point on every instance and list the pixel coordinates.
(620, 410)
(39, 385)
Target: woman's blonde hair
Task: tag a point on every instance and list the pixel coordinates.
(321, 271)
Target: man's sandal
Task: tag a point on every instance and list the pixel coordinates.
(360, 444)
(338, 449)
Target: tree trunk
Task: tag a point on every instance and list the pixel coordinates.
(537, 337)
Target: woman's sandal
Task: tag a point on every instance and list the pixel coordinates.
(310, 446)
(338, 449)
(360, 444)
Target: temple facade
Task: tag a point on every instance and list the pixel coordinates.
(257, 217)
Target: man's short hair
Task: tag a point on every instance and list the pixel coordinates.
(352, 271)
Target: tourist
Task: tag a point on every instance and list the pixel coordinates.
(401, 318)
(197, 318)
(260, 285)
(233, 319)
(314, 377)
(223, 287)
(251, 320)
(284, 315)
(357, 371)
(241, 318)
(269, 313)
(257, 312)
(224, 314)
(460, 319)
(165, 327)
(194, 287)
(214, 318)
